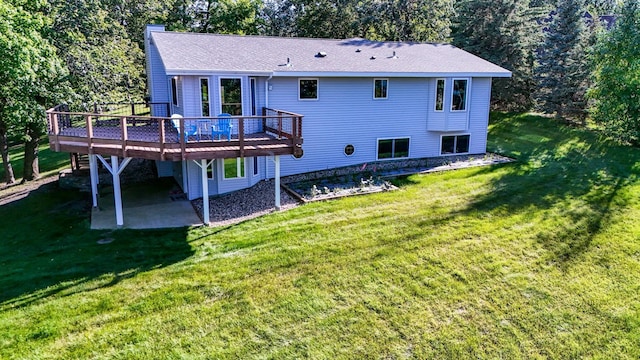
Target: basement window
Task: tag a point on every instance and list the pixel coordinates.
(233, 168)
(456, 144)
(393, 148)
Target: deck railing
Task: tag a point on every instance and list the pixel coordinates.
(134, 108)
(133, 134)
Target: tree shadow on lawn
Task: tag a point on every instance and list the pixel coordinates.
(559, 169)
(47, 248)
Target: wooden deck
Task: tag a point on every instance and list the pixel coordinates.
(276, 132)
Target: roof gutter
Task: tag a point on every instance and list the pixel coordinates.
(492, 74)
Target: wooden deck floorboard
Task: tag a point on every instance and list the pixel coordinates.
(108, 141)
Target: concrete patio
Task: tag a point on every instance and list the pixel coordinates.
(150, 205)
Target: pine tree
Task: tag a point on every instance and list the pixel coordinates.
(502, 32)
(562, 66)
(616, 91)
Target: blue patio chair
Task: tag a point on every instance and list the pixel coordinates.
(222, 126)
(190, 127)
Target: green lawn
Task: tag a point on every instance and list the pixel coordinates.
(535, 259)
(50, 162)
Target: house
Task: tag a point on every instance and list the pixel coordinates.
(353, 101)
(362, 100)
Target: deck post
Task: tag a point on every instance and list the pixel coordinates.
(276, 159)
(203, 165)
(117, 192)
(115, 169)
(93, 175)
(205, 191)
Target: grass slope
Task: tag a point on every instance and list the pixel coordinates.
(534, 259)
(50, 162)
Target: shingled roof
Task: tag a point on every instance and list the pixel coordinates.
(193, 53)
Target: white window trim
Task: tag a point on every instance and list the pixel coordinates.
(174, 91)
(212, 166)
(256, 166)
(253, 95)
(242, 92)
(200, 93)
(317, 89)
(374, 89)
(444, 96)
(393, 138)
(238, 168)
(466, 97)
(455, 143)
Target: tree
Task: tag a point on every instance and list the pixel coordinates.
(616, 89)
(562, 67)
(29, 74)
(410, 20)
(502, 32)
(278, 18)
(104, 64)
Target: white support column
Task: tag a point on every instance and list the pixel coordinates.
(277, 177)
(115, 169)
(93, 175)
(203, 165)
(117, 192)
(205, 192)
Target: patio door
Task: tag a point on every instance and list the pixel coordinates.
(231, 96)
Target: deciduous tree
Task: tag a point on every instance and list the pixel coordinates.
(30, 73)
(616, 89)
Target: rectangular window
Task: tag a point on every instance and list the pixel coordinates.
(459, 95)
(231, 96)
(255, 166)
(174, 91)
(210, 170)
(440, 95)
(308, 89)
(380, 88)
(233, 168)
(254, 100)
(393, 148)
(204, 97)
(456, 144)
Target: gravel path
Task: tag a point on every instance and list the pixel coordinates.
(245, 204)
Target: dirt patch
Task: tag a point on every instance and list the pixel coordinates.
(15, 192)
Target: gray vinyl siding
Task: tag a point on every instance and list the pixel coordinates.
(218, 185)
(192, 108)
(158, 83)
(346, 113)
(479, 115)
(447, 120)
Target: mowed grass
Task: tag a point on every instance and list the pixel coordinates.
(535, 259)
(50, 162)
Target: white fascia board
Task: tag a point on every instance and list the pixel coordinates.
(173, 72)
(500, 74)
